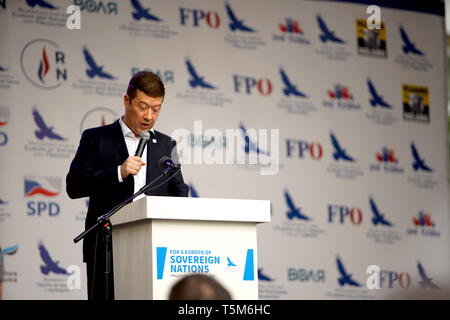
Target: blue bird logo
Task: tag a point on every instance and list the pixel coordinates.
(142, 13)
(339, 153)
(94, 69)
(376, 99)
(196, 80)
(425, 280)
(44, 130)
(262, 276)
(419, 163)
(327, 34)
(235, 23)
(49, 264)
(294, 211)
(290, 88)
(345, 277)
(408, 45)
(230, 263)
(250, 146)
(378, 217)
(192, 191)
(41, 3)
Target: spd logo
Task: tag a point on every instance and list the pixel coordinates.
(39, 190)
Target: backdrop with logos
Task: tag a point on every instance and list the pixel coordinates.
(347, 127)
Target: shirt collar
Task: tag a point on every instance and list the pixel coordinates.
(127, 131)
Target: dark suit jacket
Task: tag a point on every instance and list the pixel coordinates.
(93, 173)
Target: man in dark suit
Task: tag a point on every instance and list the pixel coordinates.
(105, 170)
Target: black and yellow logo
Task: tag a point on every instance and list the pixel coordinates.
(416, 103)
(371, 42)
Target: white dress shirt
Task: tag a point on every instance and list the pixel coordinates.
(132, 143)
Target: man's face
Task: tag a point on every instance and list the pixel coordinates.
(141, 112)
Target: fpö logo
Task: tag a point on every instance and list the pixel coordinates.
(199, 18)
(394, 279)
(389, 279)
(250, 85)
(343, 214)
(40, 190)
(44, 64)
(302, 149)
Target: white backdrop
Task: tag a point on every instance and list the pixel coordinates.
(44, 84)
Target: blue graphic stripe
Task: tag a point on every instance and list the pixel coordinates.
(249, 271)
(160, 261)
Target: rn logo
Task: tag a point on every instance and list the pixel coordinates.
(394, 279)
(199, 17)
(44, 64)
(47, 187)
(343, 213)
(302, 149)
(248, 84)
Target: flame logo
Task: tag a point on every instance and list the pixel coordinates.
(44, 66)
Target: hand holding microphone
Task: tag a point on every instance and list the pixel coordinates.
(132, 165)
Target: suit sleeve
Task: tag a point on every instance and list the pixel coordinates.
(85, 177)
(177, 186)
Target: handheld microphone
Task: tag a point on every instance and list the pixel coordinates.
(145, 136)
(166, 164)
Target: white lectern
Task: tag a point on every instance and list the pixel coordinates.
(157, 240)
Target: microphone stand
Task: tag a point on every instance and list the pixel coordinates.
(104, 223)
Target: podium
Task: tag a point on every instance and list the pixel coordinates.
(158, 240)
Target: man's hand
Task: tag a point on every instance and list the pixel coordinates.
(131, 165)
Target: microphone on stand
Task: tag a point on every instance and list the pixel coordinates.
(166, 164)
